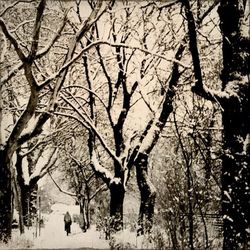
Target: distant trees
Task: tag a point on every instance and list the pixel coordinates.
(75, 169)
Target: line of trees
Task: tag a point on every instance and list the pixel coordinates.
(119, 72)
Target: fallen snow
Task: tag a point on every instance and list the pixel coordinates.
(54, 236)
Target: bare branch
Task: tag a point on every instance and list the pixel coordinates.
(98, 190)
(59, 188)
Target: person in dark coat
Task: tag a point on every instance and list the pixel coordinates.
(67, 222)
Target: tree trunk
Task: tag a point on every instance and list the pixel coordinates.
(84, 214)
(148, 195)
(28, 203)
(117, 194)
(235, 118)
(17, 194)
(5, 198)
(25, 203)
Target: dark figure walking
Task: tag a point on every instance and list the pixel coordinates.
(67, 222)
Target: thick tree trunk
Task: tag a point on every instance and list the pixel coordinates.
(148, 195)
(235, 118)
(5, 198)
(117, 193)
(25, 203)
(28, 203)
(17, 194)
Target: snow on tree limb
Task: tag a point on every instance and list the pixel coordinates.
(43, 51)
(43, 170)
(97, 191)
(73, 117)
(12, 40)
(199, 88)
(104, 173)
(36, 30)
(35, 88)
(38, 55)
(102, 42)
(14, 4)
(89, 90)
(87, 120)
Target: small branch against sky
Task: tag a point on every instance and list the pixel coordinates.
(59, 188)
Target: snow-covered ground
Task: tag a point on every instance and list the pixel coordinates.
(54, 236)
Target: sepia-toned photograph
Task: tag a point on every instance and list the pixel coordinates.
(125, 124)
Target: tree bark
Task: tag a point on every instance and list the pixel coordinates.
(234, 99)
(117, 194)
(5, 198)
(148, 195)
(236, 123)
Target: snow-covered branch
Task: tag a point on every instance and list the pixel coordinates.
(12, 40)
(21, 25)
(199, 88)
(36, 29)
(93, 44)
(162, 6)
(86, 120)
(33, 148)
(73, 117)
(14, 4)
(43, 51)
(39, 54)
(104, 173)
(40, 172)
(89, 90)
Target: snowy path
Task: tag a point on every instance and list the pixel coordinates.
(53, 235)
